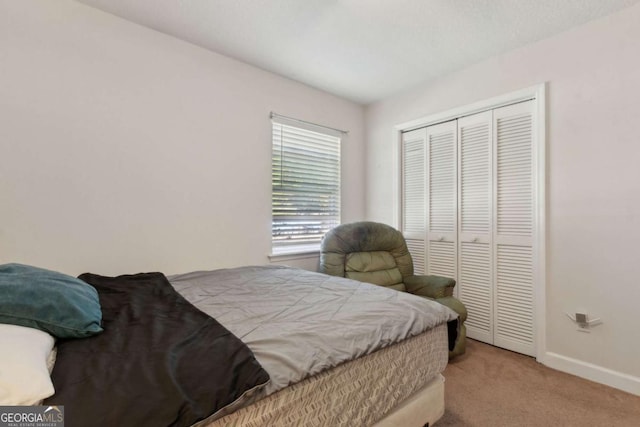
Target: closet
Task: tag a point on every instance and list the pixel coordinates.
(468, 212)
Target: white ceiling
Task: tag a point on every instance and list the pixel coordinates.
(362, 50)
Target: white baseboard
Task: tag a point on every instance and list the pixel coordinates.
(592, 372)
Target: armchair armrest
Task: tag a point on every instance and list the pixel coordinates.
(430, 286)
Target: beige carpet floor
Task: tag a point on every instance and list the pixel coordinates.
(489, 386)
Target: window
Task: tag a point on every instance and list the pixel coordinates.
(305, 196)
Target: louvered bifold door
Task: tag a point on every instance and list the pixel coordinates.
(442, 200)
(475, 281)
(414, 196)
(514, 228)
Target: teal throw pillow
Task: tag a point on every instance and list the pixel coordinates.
(61, 305)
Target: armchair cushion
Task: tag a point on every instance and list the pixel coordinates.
(363, 237)
(377, 267)
(430, 286)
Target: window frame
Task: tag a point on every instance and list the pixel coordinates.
(315, 138)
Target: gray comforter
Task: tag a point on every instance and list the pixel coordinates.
(299, 323)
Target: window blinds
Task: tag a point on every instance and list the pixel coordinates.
(305, 187)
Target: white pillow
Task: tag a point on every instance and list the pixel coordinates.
(24, 376)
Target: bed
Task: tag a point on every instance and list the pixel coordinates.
(335, 352)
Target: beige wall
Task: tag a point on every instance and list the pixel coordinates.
(593, 217)
(126, 150)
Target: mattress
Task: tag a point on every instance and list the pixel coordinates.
(299, 323)
(339, 352)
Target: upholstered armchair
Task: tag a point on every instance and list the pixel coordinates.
(377, 253)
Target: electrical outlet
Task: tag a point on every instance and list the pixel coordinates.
(581, 319)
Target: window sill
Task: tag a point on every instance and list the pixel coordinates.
(295, 253)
